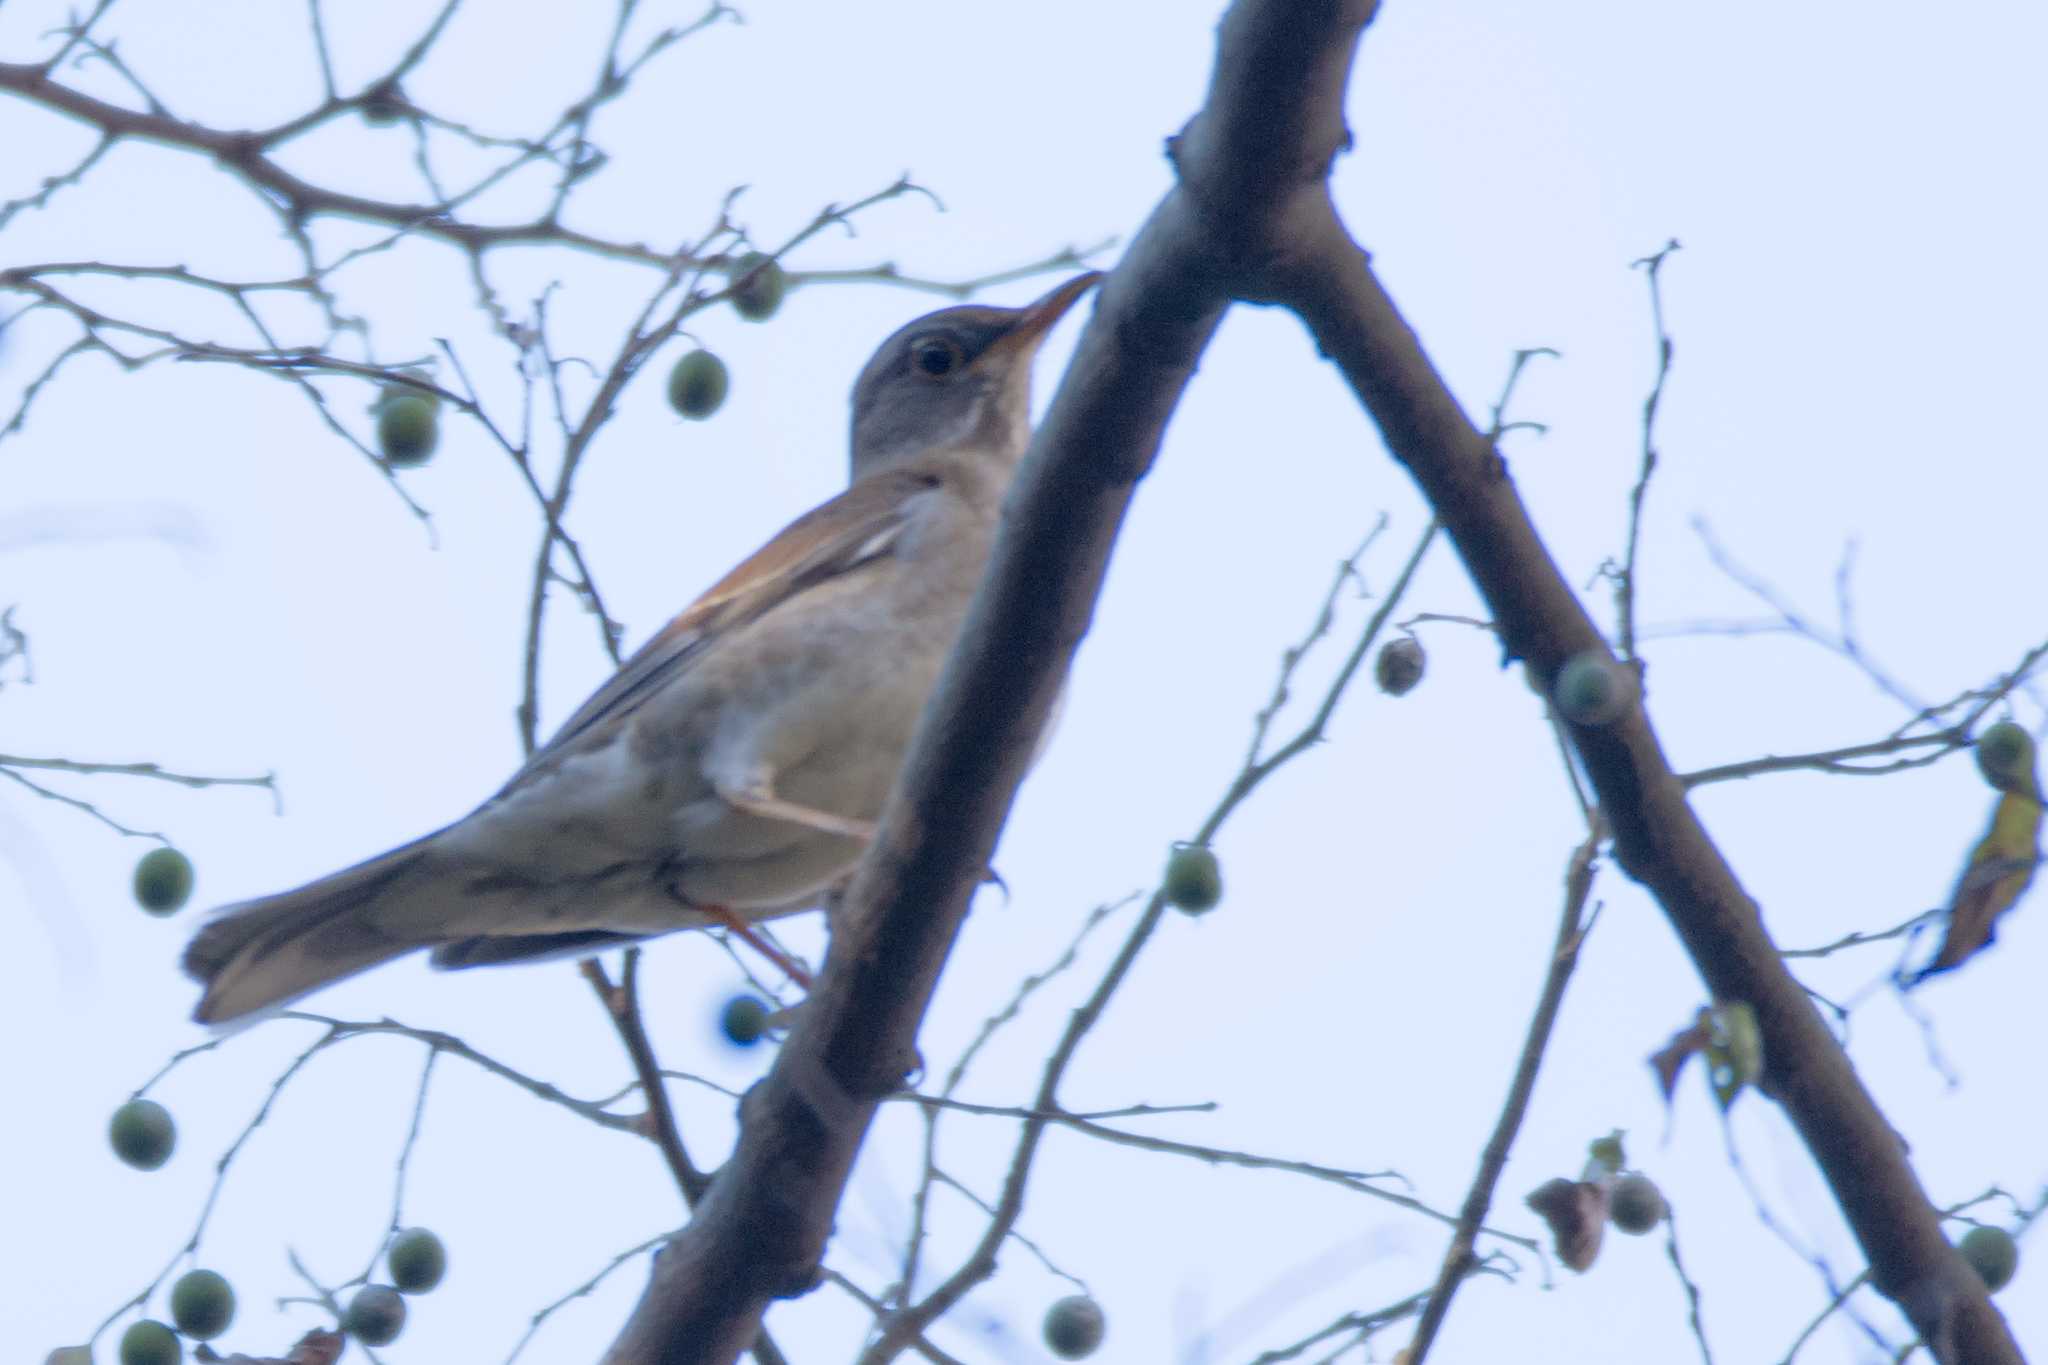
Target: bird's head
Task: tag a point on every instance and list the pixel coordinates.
(959, 378)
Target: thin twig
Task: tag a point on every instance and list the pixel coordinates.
(1564, 957)
(1625, 576)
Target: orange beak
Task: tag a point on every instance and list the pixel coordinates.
(1034, 320)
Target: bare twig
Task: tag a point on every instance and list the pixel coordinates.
(980, 1262)
(1625, 576)
(1459, 1260)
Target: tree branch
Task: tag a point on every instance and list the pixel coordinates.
(1658, 839)
(1271, 125)
(1564, 958)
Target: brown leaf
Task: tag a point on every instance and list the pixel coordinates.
(1994, 877)
(1669, 1060)
(315, 1348)
(1576, 1211)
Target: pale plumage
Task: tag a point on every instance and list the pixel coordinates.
(738, 759)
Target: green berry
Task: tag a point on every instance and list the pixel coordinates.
(758, 286)
(149, 1342)
(1074, 1327)
(408, 427)
(697, 385)
(163, 880)
(1635, 1205)
(376, 1315)
(1592, 689)
(1399, 666)
(744, 1020)
(142, 1134)
(1194, 881)
(2005, 755)
(1993, 1254)
(202, 1304)
(417, 1260)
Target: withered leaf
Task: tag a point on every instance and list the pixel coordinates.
(1669, 1060)
(1576, 1211)
(1995, 875)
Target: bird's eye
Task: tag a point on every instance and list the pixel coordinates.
(934, 356)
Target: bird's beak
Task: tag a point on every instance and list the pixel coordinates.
(1036, 319)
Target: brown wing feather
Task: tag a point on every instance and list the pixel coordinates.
(830, 539)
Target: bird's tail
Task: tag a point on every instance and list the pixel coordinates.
(263, 953)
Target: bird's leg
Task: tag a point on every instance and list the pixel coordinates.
(758, 797)
(759, 942)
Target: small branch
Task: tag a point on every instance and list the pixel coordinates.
(267, 781)
(1840, 1297)
(1692, 1289)
(1564, 957)
(86, 807)
(980, 1262)
(1354, 1327)
(876, 1307)
(1858, 939)
(658, 1124)
(1840, 762)
(1658, 838)
(1358, 1182)
(913, 1244)
(583, 1290)
(1625, 576)
(405, 1150)
(1841, 641)
(622, 1006)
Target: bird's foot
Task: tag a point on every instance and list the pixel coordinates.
(760, 943)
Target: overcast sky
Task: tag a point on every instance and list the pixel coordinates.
(212, 581)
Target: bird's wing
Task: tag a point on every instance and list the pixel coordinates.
(836, 537)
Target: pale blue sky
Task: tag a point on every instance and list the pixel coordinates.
(1857, 315)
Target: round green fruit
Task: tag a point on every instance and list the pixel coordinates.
(142, 1134)
(1592, 689)
(758, 286)
(1993, 1254)
(202, 1304)
(417, 1260)
(376, 1315)
(1399, 666)
(149, 1342)
(2005, 755)
(744, 1020)
(1635, 1205)
(408, 428)
(697, 385)
(1194, 880)
(163, 880)
(1074, 1327)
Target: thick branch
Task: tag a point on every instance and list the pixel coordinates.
(1272, 123)
(1658, 839)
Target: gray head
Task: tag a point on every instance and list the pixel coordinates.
(959, 378)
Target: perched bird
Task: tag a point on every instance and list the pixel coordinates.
(733, 768)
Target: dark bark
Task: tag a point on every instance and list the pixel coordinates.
(1251, 220)
(1658, 839)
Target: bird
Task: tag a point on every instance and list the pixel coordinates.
(734, 767)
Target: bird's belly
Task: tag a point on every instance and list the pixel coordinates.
(746, 863)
